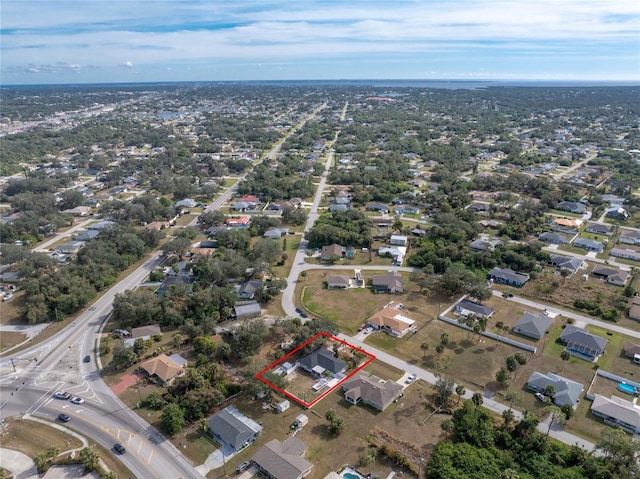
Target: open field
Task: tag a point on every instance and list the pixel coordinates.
(9, 339)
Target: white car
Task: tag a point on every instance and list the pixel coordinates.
(541, 397)
(8, 297)
(77, 400)
(410, 379)
(368, 330)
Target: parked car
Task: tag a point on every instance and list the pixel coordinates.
(64, 417)
(361, 327)
(243, 467)
(8, 297)
(541, 396)
(303, 315)
(77, 400)
(119, 448)
(368, 330)
(298, 310)
(410, 379)
(61, 395)
(86, 359)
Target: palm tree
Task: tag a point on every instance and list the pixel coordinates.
(565, 356)
(476, 399)
(508, 416)
(460, 391)
(512, 397)
(425, 347)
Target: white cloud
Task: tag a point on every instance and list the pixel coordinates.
(128, 64)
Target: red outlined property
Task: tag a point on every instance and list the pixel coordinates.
(317, 373)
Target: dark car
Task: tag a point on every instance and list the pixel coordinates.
(120, 449)
(87, 359)
(64, 417)
(298, 310)
(304, 315)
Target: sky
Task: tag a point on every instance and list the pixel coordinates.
(90, 41)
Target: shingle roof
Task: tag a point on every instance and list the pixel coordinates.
(567, 391)
(475, 307)
(573, 335)
(162, 366)
(509, 275)
(283, 460)
(372, 390)
(324, 358)
(233, 427)
(617, 408)
(533, 325)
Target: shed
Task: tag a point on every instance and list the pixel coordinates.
(301, 421)
(283, 406)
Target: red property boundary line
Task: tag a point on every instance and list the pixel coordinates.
(281, 360)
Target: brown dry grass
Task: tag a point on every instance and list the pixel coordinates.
(9, 339)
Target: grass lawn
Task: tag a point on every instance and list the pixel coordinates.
(31, 438)
(292, 243)
(360, 259)
(9, 339)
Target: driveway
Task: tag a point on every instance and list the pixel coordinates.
(19, 464)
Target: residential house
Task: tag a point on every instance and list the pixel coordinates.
(338, 282)
(275, 233)
(599, 229)
(232, 428)
(242, 206)
(566, 390)
(379, 207)
(175, 283)
(86, 235)
(70, 247)
(241, 222)
(630, 237)
(532, 325)
(566, 263)
(78, 211)
(249, 199)
(466, 308)
(247, 290)
(617, 412)
(483, 244)
(612, 199)
(617, 212)
(634, 310)
(342, 200)
(419, 232)
(186, 203)
(388, 283)
(490, 223)
(390, 320)
(371, 390)
(181, 268)
(382, 222)
(322, 362)
(567, 223)
(589, 245)
(397, 253)
(553, 238)
(246, 309)
(102, 225)
(406, 210)
(332, 251)
(163, 368)
(625, 253)
(336, 207)
(572, 207)
(282, 460)
(144, 333)
(398, 240)
(508, 276)
(632, 351)
(582, 343)
(614, 276)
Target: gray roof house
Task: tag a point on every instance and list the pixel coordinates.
(70, 247)
(599, 228)
(275, 233)
(617, 212)
(338, 282)
(380, 207)
(589, 245)
(282, 460)
(617, 412)
(630, 237)
(246, 309)
(232, 428)
(332, 250)
(371, 390)
(567, 391)
(388, 283)
(508, 276)
(582, 343)
(466, 307)
(625, 253)
(611, 275)
(320, 361)
(553, 238)
(86, 235)
(247, 290)
(572, 207)
(532, 325)
(566, 262)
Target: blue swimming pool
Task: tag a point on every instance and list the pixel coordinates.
(348, 475)
(626, 388)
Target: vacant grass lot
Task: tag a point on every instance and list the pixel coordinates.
(9, 339)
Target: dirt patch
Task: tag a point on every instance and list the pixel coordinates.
(127, 381)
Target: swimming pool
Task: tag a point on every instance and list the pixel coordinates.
(626, 388)
(348, 475)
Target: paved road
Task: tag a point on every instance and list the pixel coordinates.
(56, 364)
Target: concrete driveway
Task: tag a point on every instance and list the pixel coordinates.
(20, 465)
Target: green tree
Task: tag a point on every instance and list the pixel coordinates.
(556, 417)
(425, 347)
(476, 399)
(502, 376)
(444, 390)
(621, 450)
(460, 391)
(172, 419)
(507, 417)
(90, 458)
(565, 356)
